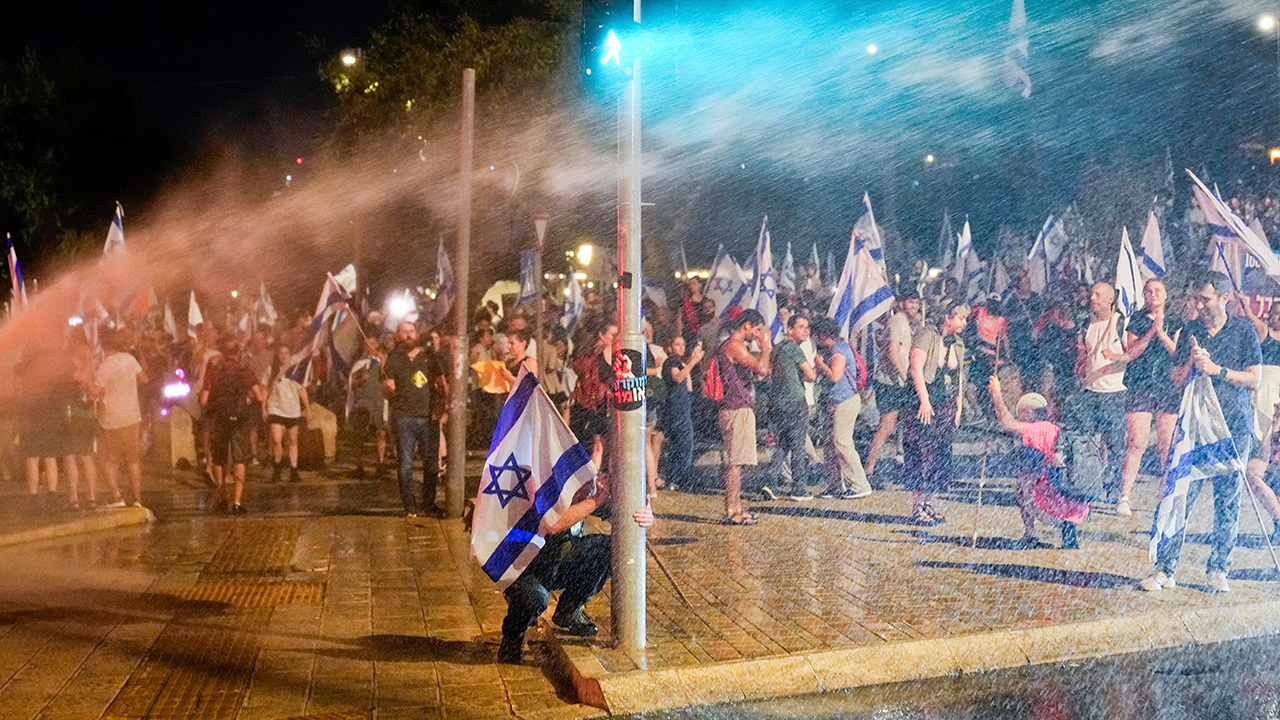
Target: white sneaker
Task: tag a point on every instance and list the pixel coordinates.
(1218, 582)
(1158, 581)
(117, 504)
(1123, 509)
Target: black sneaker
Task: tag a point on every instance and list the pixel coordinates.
(293, 475)
(238, 509)
(938, 519)
(575, 623)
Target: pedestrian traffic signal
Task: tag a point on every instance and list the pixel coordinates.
(610, 41)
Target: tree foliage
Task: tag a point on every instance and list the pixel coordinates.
(409, 74)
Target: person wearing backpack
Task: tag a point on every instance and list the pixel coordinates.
(232, 400)
(937, 362)
(842, 374)
(1042, 456)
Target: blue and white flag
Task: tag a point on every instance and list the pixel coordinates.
(1048, 248)
(15, 276)
(528, 287)
(446, 287)
(725, 285)
(170, 325)
(1227, 228)
(1000, 281)
(866, 230)
(863, 293)
(652, 291)
(1128, 279)
(318, 336)
(534, 468)
(817, 268)
(1202, 449)
(764, 283)
(115, 234)
(1016, 75)
(787, 278)
(684, 263)
(574, 304)
(264, 310)
(1151, 259)
(968, 270)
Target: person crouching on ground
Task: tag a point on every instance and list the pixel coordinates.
(1035, 492)
(569, 561)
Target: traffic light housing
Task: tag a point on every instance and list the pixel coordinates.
(610, 41)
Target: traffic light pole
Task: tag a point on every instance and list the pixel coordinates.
(627, 600)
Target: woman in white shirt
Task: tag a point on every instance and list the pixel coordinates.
(285, 410)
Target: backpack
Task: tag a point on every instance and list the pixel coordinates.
(1081, 475)
(231, 395)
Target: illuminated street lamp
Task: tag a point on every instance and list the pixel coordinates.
(584, 254)
(350, 57)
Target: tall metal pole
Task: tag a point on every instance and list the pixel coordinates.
(540, 243)
(457, 470)
(627, 601)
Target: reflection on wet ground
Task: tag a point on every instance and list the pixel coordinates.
(1232, 680)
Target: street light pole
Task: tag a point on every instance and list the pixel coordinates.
(540, 237)
(457, 469)
(627, 600)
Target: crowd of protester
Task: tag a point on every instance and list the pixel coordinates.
(731, 406)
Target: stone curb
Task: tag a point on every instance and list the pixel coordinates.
(829, 670)
(94, 521)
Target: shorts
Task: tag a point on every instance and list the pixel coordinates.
(738, 428)
(119, 444)
(229, 443)
(289, 422)
(1160, 402)
(895, 398)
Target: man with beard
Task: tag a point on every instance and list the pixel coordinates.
(1227, 350)
(413, 384)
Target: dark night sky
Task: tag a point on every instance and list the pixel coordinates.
(197, 66)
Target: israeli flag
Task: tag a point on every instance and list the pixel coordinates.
(863, 293)
(1151, 259)
(446, 287)
(534, 468)
(1227, 228)
(263, 307)
(1016, 75)
(817, 268)
(1202, 449)
(725, 286)
(787, 279)
(15, 276)
(574, 305)
(115, 234)
(333, 299)
(866, 230)
(968, 270)
(764, 283)
(1048, 248)
(528, 289)
(1128, 280)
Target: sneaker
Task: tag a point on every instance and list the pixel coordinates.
(855, 495)
(768, 492)
(800, 495)
(920, 516)
(1217, 582)
(831, 493)
(937, 517)
(1123, 509)
(293, 475)
(115, 504)
(1032, 543)
(238, 509)
(574, 623)
(1158, 581)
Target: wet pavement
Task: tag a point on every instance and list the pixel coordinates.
(324, 602)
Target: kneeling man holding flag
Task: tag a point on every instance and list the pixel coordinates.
(538, 485)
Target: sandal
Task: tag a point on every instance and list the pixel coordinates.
(742, 518)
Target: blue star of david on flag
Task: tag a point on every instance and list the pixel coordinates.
(518, 490)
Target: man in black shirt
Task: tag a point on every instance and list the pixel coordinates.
(1227, 350)
(413, 383)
